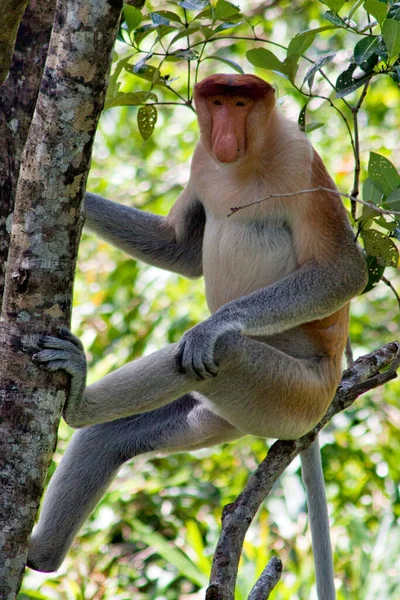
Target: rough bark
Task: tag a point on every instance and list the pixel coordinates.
(17, 102)
(364, 375)
(41, 262)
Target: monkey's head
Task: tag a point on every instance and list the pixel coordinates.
(232, 110)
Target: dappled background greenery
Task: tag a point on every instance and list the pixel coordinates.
(153, 535)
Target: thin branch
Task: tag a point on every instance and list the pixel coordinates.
(349, 353)
(389, 284)
(332, 105)
(357, 163)
(382, 211)
(364, 375)
(268, 580)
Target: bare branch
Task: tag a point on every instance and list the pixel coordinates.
(389, 284)
(349, 353)
(267, 580)
(381, 211)
(364, 375)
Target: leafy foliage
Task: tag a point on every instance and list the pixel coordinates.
(156, 40)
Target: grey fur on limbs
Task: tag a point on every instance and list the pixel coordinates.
(96, 453)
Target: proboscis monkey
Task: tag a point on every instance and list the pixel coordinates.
(278, 276)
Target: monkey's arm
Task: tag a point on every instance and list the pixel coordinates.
(173, 242)
(312, 292)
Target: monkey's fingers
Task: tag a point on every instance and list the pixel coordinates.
(66, 334)
(56, 360)
(196, 364)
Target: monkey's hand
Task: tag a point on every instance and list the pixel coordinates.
(194, 354)
(65, 353)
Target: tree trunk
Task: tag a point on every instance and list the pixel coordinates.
(17, 102)
(41, 261)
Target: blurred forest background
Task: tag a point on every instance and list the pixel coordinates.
(153, 535)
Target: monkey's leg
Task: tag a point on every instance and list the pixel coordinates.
(94, 457)
(259, 389)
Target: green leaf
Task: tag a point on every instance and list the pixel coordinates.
(137, 67)
(159, 19)
(264, 59)
(302, 117)
(392, 202)
(142, 32)
(368, 65)
(390, 226)
(169, 552)
(132, 16)
(166, 14)
(383, 173)
(187, 31)
(394, 12)
(395, 75)
(224, 10)
(334, 5)
(377, 9)
(375, 272)
(379, 245)
(371, 193)
(301, 42)
(113, 85)
(130, 99)
(391, 35)
(226, 61)
(149, 73)
(334, 19)
(319, 29)
(319, 63)
(194, 4)
(290, 65)
(147, 119)
(205, 14)
(227, 25)
(346, 84)
(313, 126)
(364, 49)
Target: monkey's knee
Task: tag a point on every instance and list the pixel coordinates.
(43, 556)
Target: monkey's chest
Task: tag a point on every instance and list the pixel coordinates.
(242, 257)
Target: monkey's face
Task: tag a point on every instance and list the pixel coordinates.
(225, 106)
(228, 140)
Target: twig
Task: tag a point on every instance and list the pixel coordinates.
(382, 211)
(267, 580)
(389, 284)
(349, 353)
(357, 166)
(364, 375)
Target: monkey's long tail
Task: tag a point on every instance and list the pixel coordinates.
(313, 478)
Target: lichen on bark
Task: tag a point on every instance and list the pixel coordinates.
(41, 261)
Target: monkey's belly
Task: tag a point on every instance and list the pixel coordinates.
(240, 258)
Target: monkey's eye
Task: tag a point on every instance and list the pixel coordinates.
(217, 102)
(240, 103)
